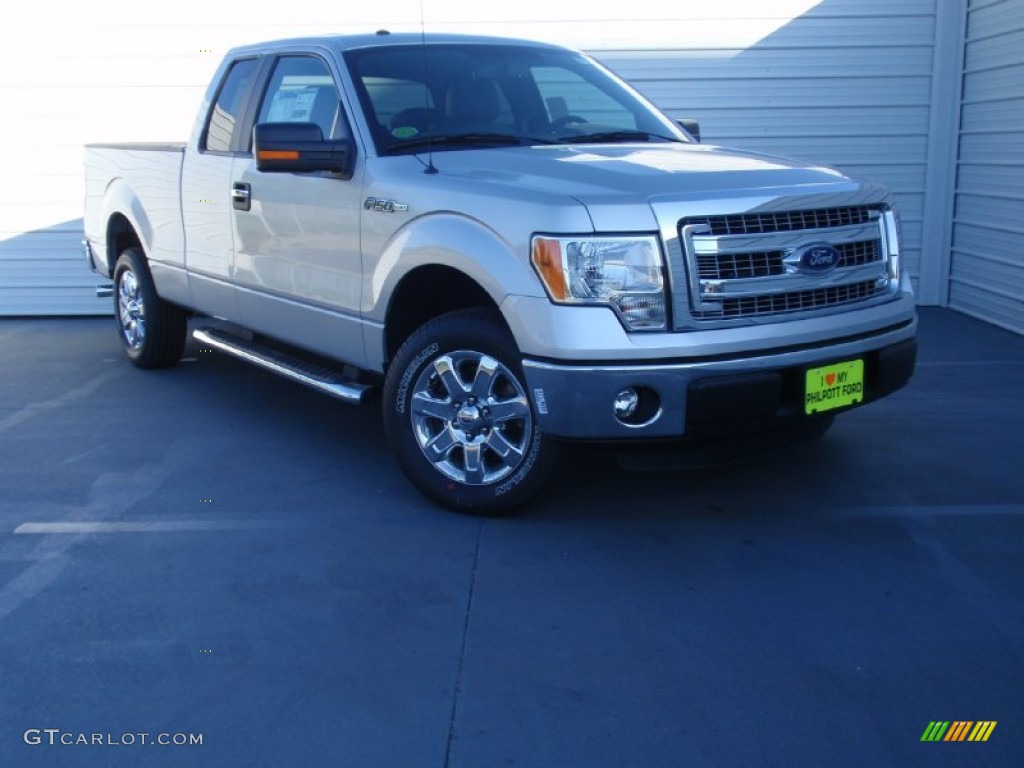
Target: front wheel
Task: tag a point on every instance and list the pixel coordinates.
(459, 419)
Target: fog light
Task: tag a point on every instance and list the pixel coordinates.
(637, 407)
(626, 403)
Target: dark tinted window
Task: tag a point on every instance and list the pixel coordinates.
(227, 110)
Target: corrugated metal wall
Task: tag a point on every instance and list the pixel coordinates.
(70, 76)
(42, 272)
(987, 268)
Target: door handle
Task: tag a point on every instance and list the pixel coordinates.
(241, 196)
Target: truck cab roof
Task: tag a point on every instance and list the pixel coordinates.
(379, 39)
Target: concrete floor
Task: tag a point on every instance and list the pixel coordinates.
(213, 551)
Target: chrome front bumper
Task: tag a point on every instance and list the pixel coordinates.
(712, 395)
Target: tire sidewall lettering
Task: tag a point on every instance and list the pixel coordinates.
(402, 394)
(524, 469)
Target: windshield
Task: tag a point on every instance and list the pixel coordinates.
(454, 96)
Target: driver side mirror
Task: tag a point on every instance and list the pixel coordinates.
(691, 126)
(300, 148)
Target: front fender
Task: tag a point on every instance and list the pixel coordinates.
(456, 241)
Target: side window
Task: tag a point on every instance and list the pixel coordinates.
(301, 90)
(227, 109)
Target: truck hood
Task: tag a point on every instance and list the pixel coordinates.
(610, 180)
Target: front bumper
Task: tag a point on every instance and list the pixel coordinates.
(710, 397)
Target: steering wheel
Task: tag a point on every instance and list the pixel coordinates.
(565, 120)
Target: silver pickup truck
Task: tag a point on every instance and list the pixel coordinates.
(509, 246)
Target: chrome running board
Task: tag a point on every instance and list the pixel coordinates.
(329, 382)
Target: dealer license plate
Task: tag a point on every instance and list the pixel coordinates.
(834, 386)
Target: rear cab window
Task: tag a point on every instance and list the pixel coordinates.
(225, 121)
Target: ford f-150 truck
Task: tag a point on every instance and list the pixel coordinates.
(509, 245)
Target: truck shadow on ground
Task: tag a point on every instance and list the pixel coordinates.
(301, 428)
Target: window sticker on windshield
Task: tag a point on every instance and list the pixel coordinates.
(404, 132)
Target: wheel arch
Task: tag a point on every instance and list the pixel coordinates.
(121, 235)
(425, 293)
(127, 224)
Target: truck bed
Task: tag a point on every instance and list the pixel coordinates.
(145, 172)
(145, 146)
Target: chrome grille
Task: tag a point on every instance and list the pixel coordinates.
(750, 265)
(788, 221)
(733, 266)
(799, 301)
(857, 254)
(730, 266)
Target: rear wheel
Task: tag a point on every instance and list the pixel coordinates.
(152, 330)
(459, 419)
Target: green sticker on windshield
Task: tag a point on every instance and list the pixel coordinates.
(404, 132)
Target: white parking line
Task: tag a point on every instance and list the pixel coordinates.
(933, 510)
(145, 526)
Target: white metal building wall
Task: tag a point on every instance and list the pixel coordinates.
(841, 82)
(987, 266)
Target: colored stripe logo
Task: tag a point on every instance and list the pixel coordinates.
(959, 730)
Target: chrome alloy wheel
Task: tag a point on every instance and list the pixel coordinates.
(132, 310)
(471, 417)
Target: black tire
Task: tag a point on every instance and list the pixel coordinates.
(458, 416)
(152, 331)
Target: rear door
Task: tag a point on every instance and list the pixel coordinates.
(297, 254)
(206, 193)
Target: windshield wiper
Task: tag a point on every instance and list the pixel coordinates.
(615, 136)
(477, 139)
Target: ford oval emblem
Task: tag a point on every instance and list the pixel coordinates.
(816, 258)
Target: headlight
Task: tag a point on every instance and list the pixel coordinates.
(624, 273)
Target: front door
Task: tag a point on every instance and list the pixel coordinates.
(296, 236)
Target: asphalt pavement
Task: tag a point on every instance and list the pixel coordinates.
(212, 554)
